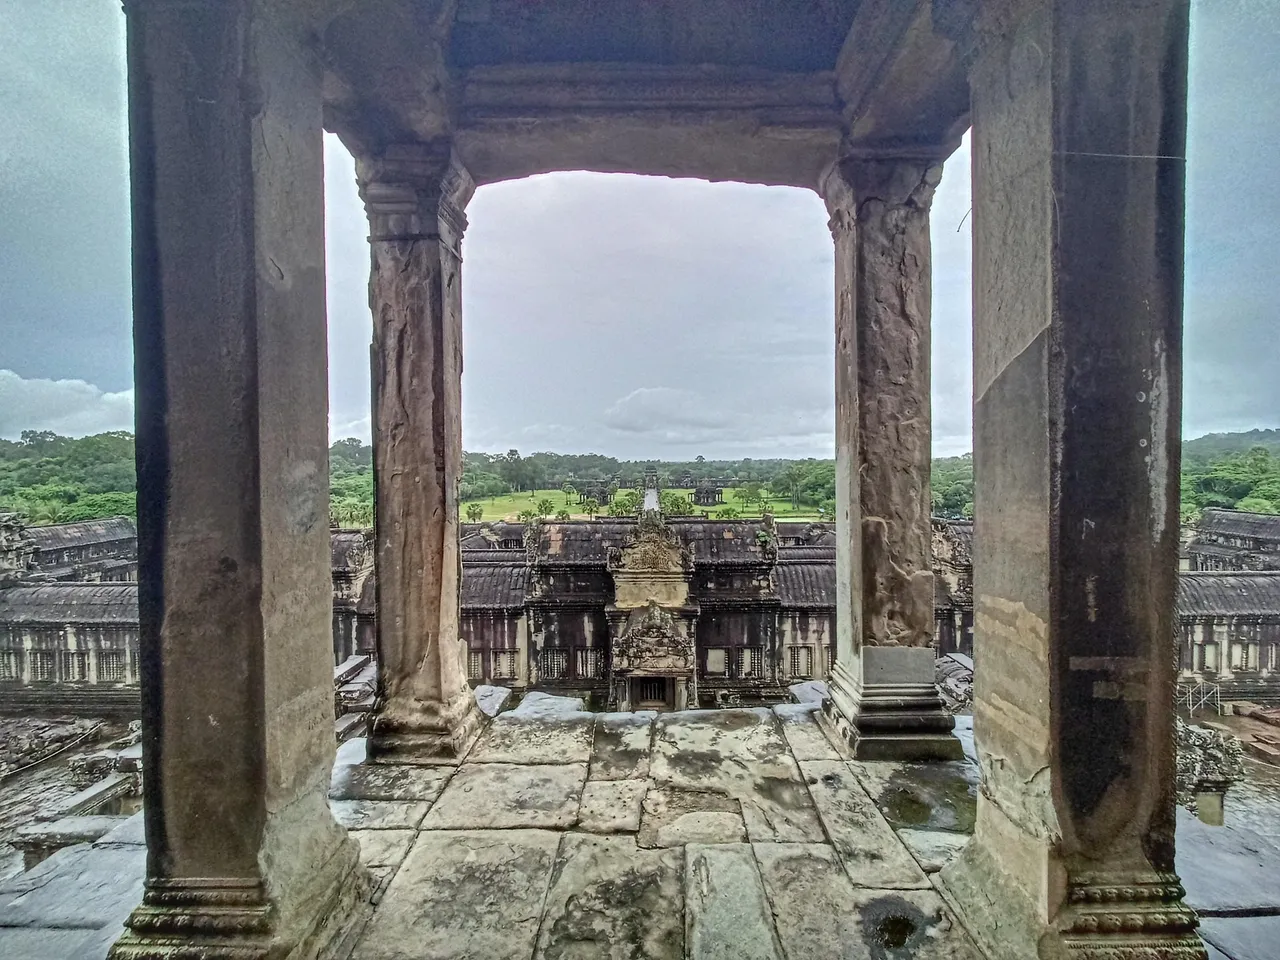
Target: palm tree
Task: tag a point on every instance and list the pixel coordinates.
(591, 506)
(545, 507)
(568, 492)
(474, 512)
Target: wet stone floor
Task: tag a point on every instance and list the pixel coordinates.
(735, 834)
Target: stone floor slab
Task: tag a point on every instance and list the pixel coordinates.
(1243, 938)
(673, 817)
(499, 796)
(388, 781)
(383, 848)
(26, 943)
(621, 748)
(464, 894)
(611, 899)
(611, 806)
(727, 915)
(744, 755)
(871, 852)
(923, 796)
(378, 814)
(81, 886)
(933, 849)
(805, 735)
(514, 738)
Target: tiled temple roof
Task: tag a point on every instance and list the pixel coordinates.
(494, 586)
(60, 536)
(1237, 523)
(810, 586)
(113, 603)
(1229, 594)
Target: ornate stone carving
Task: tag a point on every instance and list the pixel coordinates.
(653, 548)
(653, 643)
(1129, 916)
(1208, 761)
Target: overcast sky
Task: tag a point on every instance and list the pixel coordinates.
(639, 317)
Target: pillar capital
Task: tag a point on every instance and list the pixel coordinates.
(415, 191)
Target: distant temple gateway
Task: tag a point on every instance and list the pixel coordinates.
(628, 613)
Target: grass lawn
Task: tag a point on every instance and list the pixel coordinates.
(508, 507)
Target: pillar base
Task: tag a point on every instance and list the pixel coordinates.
(426, 733)
(887, 707)
(233, 919)
(1118, 915)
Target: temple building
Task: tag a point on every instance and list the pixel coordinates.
(1235, 540)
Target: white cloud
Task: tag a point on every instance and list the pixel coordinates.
(69, 407)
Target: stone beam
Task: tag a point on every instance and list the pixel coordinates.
(1078, 143)
(414, 195)
(716, 123)
(883, 694)
(902, 77)
(243, 856)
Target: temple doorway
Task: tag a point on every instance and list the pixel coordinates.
(653, 693)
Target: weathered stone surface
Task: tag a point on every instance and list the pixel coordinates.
(80, 886)
(1241, 938)
(621, 749)
(673, 816)
(131, 833)
(388, 781)
(805, 737)
(491, 700)
(383, 848)
(45, 944)
(611, 806)
(378, 814)
(925, 796)
(612, 899)
(545, 705)
(743, 755)
(536, 738)
(808, 691)
(464, 894)
(727, 916)
(933, 849)
(871, 852)
(498, 796)
(1227, 868)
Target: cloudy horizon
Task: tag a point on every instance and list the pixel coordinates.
(638, 317)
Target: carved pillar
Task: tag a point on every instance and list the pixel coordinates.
(243, 857)
(414, 196)
(882, 692)
(1079, 119)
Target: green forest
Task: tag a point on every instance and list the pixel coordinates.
(54, 479)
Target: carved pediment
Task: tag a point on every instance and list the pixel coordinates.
(653, 548)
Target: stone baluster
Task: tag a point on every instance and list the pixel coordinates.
(883, 698)
(414, 196)
(1079, 125)
(234, 598)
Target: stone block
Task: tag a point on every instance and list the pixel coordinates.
(871, 852)
(933, 849)
(727, 915)
(378, 814)
(464, 894)
(383, 848)
(533, 739)
(805, 736)
(611, 806)
(673, 817)
(621, 747)
(491, 700)
(942, 795)
(499, 796)
(388, 781)
(610, 898)
(131, 833)
(546, 705)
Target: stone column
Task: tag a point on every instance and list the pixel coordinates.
(414, 195)
(882, 692)
(226, 164)
(1079, 120)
